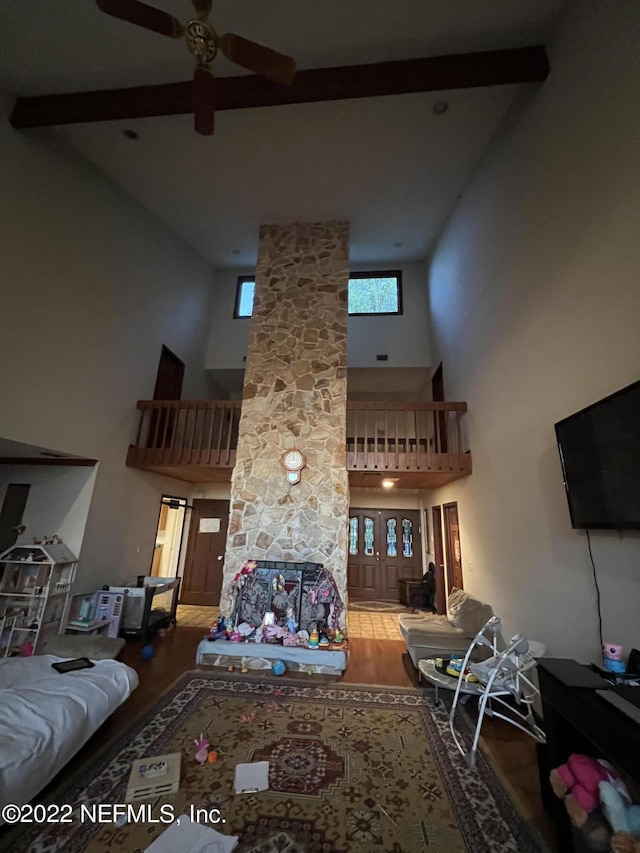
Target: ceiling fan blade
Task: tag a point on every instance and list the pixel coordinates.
(143, 15)
(257, 58)
(203, 101)
(202, 7)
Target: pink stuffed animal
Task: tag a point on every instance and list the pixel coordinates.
(577, 781)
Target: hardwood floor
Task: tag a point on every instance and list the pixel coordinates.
(371, 661)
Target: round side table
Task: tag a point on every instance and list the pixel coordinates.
(428, 671)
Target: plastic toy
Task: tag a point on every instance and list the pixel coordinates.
(338, 639)
(202, 749)
(278, 667)
(291, 622)
(217, 631)
(147, 652)
(454, 668)
(612, 658)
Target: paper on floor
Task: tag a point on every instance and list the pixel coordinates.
(252, 777)
(189, 837)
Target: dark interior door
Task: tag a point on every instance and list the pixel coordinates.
(384, 546)
(15, 500)
(168, 387)
(437, 395)
(169, 377)
(452, 543)
(202, 579)
(438, 558)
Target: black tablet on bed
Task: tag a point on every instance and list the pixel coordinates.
(72, 665)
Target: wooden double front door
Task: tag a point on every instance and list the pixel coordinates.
(384, 546)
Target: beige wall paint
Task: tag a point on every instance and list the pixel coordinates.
(535, 301)
(385, 498)
(92, 286)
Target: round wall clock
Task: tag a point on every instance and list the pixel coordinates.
(293, 462)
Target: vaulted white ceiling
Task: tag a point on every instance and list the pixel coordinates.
(388, 164)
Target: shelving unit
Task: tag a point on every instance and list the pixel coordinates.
(35, 582)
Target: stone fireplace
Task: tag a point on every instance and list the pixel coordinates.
(294, 397)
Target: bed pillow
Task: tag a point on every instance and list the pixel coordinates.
(466, 612)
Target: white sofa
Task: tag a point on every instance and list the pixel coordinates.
(45, 717)
(431, 636)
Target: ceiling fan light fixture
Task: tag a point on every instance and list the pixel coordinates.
(202, 41)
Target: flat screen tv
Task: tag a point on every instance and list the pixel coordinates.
(600, 455)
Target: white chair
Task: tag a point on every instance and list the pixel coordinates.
(502, 675)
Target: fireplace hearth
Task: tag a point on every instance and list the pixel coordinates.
(302, 597)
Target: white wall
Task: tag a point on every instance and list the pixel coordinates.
(535, 301)
(58, 501)
(92, 286)
(405, 338)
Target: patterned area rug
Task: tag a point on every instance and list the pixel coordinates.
(353, 769)
(377, 606)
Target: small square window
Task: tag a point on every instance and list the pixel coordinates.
(375, 293)
(369, 293)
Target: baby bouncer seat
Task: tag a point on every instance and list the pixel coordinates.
(503, 680)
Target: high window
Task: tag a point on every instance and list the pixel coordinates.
(369, 293)
(244, 296)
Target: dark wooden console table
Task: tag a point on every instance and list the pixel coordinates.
(576, 719)
(406, 588)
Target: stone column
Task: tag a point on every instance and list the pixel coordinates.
(294, 397)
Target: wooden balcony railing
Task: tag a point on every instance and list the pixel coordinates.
(419, 443)
(421, 439)
(174, 434)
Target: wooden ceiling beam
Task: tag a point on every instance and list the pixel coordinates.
(429, 74)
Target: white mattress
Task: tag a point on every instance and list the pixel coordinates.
(46, 717)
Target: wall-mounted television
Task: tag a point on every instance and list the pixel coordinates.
(600, 455)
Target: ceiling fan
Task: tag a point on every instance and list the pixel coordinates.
(204, 43)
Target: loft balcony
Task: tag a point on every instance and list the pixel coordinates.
(192, 440)
(418, 445)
